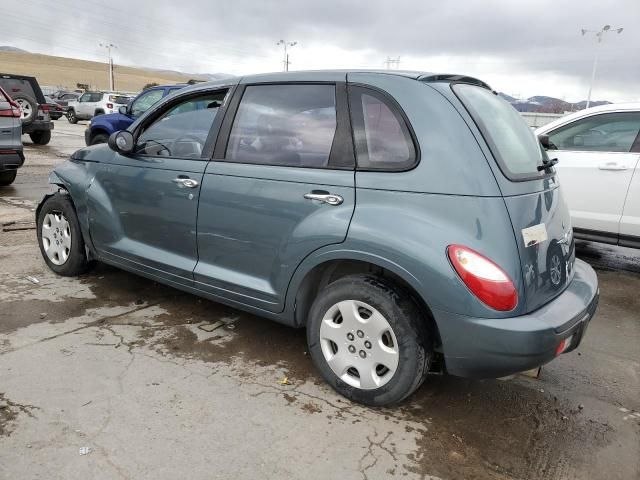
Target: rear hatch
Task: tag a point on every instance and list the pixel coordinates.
(539, 214)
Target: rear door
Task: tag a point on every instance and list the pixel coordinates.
(143, 206)
(281, 186)
(534, 199)
(595, 166)
(10, 125)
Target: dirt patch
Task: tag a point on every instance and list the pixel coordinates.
(9, 411)
(494, 430)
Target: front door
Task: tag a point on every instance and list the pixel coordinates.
(282, 188)
(143, 207)
(595, 167)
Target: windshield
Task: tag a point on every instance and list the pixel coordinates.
(512, 142)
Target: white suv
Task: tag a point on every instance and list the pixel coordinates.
(598, 151)
(91, 104)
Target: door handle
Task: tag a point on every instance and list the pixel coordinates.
(612, 166)
(186, 182)
(324, 197)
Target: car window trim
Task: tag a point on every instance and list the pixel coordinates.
(635, 145)
(395, 108)
(207, 149)
(341, 144)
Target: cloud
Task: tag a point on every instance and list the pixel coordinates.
(528, 48)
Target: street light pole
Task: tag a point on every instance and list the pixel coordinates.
(109, 46)
(599, 36)
(286, 44)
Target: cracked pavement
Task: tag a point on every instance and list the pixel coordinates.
(161, 384)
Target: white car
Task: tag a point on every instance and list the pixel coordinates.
(598, 151)
(92, 104)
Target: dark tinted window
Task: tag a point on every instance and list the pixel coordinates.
(512, 142)
(284, 125)
(17, 87)
(120, 99)
(607, 132)
(181, 131)
(382, 138)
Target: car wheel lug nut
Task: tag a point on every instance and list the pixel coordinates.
(360, 333)
(352, 349)
(363, 354)
(349, 336)
(367, 344)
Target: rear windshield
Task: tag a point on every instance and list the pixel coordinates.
(512, 142)
(119, 99)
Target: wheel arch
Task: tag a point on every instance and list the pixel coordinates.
(326, 268)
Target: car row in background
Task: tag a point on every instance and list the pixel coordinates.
(598, 152)
(26, 93)
(104, 125)
(92, 104)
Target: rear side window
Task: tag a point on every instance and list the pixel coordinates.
(382, 138)
(288, 124)
(513, 144)
(119, 99)
(183, 129)
(607, 132)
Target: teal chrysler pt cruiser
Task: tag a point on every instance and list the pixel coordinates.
(407, 220)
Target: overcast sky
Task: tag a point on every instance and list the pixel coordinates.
(520, 47)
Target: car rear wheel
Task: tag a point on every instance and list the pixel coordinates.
(71, 116)
(29, 108)
(60, 237)
(99, 138)
(41, 137)
(369, 340)
(7, 178)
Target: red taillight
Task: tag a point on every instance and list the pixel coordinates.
(109, 105)
(484, 278)
(45, 107)
(12, 111)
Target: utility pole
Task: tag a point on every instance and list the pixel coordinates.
(599, 36)
(286, 45)
(395, 62)
(109, 46)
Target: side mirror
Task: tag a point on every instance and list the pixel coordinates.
(544, 141)
(121, 142)
(123, 110)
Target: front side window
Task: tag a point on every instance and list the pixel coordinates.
(183, 129)
(513, 144)
(86, 97)
(382, 138)
(607, 132)
(284, 125)
(144, 101)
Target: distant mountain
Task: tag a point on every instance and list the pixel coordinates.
(544, 104)
(209, 77)
(9, 48)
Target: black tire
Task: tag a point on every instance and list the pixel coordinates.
(23, 100)
(99, 138)
(41, 137)
(98, 113)
(7, 178)
(411, 329)
(76, 262)
(71, 116)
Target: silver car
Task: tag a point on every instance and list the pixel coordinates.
(11, 156)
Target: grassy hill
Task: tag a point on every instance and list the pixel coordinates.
(67, 72)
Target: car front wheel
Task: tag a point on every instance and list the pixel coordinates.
(71, 116)
(369, 340)
(60, 237)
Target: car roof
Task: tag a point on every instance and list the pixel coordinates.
(611, 107)
(335, 75)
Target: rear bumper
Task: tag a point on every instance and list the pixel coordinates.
(11, 161)
(37, 126)
(491, 348)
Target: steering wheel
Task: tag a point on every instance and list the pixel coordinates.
(189, 138)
